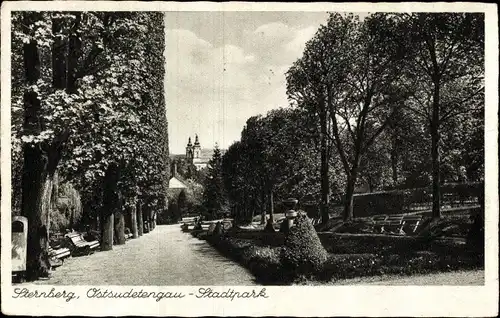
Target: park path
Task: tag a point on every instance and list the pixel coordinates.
(165, 256)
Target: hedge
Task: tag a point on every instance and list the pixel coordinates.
(399, 201)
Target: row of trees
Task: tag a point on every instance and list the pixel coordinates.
(88, 105)
(394, 100)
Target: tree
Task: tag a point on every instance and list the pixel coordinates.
(275, 159)
(214, 197)
(45, 79)
(447, 70)
(352, 69)
(90, 103)
(182, 203)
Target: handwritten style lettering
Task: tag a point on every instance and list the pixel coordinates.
(99, 293)
(230, 293)
(26, 293)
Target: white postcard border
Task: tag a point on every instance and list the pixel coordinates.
(295, 300)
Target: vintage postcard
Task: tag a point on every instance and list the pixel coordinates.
(249, 159)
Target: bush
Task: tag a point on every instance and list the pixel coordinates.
(218, 229)
(475, 236)
(264, 263)
(66, 211)
(386, 202)
(303, 253)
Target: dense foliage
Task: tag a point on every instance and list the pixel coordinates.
(214, 202)
(303, 253)
(390, 101)
(88, 105)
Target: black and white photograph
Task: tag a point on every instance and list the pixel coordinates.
(246, 148)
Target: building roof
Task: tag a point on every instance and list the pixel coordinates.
(175, 183)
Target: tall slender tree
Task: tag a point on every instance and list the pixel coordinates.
(214, 196)
(446, 71)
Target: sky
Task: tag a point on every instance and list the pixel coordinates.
(224, 67)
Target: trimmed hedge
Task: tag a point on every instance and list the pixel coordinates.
(398, 201)
(303, 253)
(344, 255)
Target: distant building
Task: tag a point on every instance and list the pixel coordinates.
(195, 154)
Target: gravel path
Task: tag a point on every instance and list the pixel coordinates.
(458, 278)
(163, 257)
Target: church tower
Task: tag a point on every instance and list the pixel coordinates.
(196, 148)
(189, 150)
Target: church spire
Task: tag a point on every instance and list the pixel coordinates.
(196, 141)
(189, 141)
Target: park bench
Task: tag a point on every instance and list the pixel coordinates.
(57, 256)
(80, 245)
(206, 225)
(377, 223)
(388, 224)
(128, 233)
(393, 224)
(316, 221)
(60, 253)
(396, 224)
(411, 223)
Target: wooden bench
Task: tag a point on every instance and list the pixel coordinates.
(57, 256)
(411, 223)
(388, 224)
(206, 226)
(128, 233)
(393, 224)
(316, 221)
(60, 253)
(396, 224)
(377, 223)
(80, 245)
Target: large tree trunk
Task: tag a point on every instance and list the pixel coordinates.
(133, 221)
(34, 183)
(271, 208)
(263, 206)
(324, 169)
(151, 219)
(119, 227)
(140, 220)
(349, 192)
(394, 166)
(107, 225)
(435, 154)
(146, 211)
(36, 180)
(110, 205)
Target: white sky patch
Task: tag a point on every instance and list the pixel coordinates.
(216, 80)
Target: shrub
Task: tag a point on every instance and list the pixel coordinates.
(218, 229)
(475, 236)
(351, 265)
(66, 211)
(211, 228)
(264, 263)
(303, 253)
(197, 226)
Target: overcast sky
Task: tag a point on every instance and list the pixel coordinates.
(223, 67)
